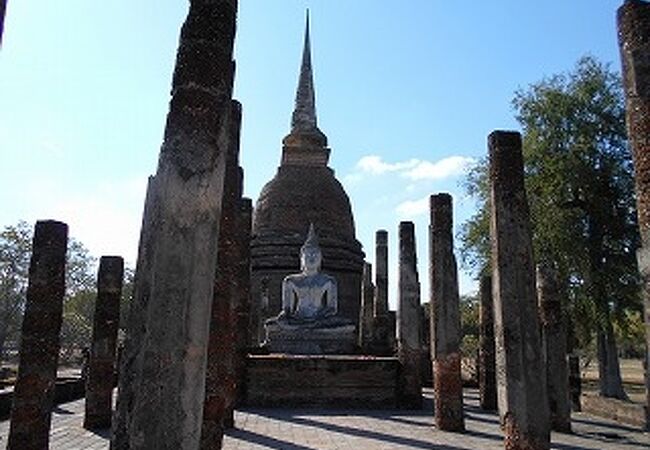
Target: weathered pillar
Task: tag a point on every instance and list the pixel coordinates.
(3, 11)
(221, 376)
(521, 380)
(445, 318)
(367, 304)
(487, 365)
(39, 347)
(575, 383)
(383, 327)
(634, 42)
(381, 273)
(106, 321)
(244, 304)
(408, 320)
(554, 347)
(162, 378)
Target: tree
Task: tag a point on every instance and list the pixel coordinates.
(78, 307)
(580, 189)
(15, 250)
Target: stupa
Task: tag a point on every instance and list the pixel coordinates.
(304, 191)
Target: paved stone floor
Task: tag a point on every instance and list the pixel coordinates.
(316, 429)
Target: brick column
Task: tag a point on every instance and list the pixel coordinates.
(243, 306)
(367, 302)
(383, 325)
(521, 380)
(487, 365)
(408, 320)
(634, 43)
(106, 321)
(554, 347)
(162, 376)
(39, 347)
(221, 376)
(445, 318)
(381, 273)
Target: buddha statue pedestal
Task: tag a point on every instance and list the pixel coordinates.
(311, 339)
(308, 323)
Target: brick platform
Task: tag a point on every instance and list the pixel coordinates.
(332, 380)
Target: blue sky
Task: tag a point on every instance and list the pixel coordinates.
(406, 93)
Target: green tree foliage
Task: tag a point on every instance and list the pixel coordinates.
(78, 306)
(469, 325)
(581, 194)
(15, 250)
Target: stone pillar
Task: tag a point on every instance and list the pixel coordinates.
(445, 318)
(575, 383)
(383, 325)
(106, 321)
(381, 273)
(3, 11)
(554, 347)
(521, 380)
(634, 43)
(367, 305)
(487, 365)
(221, 376)
(39, 348)
(408, 320)
(162, 375)
(244, 305)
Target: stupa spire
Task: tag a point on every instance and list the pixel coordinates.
(304, 113)
(305, 145)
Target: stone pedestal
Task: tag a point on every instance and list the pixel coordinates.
(634, 42)
(445, 318)
(487, 364)
(106, 321)
(39, 347)
(408, 320)
(522, 395)
(305, 340)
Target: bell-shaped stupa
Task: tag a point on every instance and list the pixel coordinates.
(304, 191)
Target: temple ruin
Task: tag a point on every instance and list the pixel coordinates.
(275, 306)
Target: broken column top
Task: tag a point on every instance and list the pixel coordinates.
(110, 274)
(441, 212)
(506, 167)
(381, 237)
(367, 273)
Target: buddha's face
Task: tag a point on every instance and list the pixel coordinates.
(310, 259)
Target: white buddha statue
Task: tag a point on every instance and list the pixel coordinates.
(308, 322)
(309, 295)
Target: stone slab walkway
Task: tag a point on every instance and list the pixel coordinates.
(317, 429)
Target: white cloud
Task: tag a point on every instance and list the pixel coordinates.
(414, 169)
(413, 208)
(107, 219)
(447, 167)
(374, 165)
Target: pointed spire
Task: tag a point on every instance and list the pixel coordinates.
(304, 114)
(305, 145)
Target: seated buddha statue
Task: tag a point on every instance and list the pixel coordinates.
(309, 295)
(309, 304)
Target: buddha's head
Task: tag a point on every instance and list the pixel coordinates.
(310, 253)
